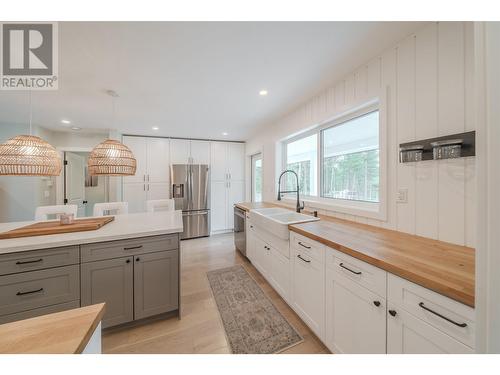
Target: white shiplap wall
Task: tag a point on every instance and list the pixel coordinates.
(429, 78)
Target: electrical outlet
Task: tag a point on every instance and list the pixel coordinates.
(402, 196)
(46, 193)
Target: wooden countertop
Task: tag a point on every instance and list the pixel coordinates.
(442, 267)
(66, 332)
(445, 268)
(247, 206)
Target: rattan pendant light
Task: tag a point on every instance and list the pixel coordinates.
(28, 155)
(112, 158)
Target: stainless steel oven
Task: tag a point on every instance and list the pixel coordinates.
(240, 240)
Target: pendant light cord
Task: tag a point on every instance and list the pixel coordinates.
(31, 115)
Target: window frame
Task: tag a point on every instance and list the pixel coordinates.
(253, 159)
(374, 210)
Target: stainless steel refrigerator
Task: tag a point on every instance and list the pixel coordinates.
(190, 191)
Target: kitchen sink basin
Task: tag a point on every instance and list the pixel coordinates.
(276, 220)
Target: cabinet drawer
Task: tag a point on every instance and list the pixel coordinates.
(39, 312)
(39, 259)
(31, 290)
(364, 274)
(451, 317)
(307, 246)
(124, 248)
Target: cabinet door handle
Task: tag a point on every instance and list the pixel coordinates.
(148, 177)
(30, 292)
(143, 178)
(463, 325)
(392, 312)
(29, 261)
(301, 244)
(302, 259)
(354, 272)
(127, 261)
(148, 187)
(376, 303)
(137, 259)
(144, 186)
(133, 247)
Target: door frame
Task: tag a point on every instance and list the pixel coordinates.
(60, 179)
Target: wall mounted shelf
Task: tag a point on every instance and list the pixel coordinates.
(423, 149)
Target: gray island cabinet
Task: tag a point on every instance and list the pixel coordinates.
(136, 273)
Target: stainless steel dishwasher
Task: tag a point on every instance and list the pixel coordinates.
(240, 240)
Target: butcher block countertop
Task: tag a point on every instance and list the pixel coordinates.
(66, 332)
(445, 268)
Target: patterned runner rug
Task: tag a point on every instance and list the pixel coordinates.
(253, 325)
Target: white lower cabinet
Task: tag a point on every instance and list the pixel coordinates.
(355, 317)
(407, 334)
(355, 307)
(308, 290)
(279, 276)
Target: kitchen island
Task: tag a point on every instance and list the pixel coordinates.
(132, 264)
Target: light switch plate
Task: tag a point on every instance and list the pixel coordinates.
(46, 193)
(402, 196)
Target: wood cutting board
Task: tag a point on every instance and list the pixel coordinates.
(55, 227)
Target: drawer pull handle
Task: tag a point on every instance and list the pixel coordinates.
(301, 244)
(392, 312)
(376, 303)
(463, 325)
(29, 261)
(133, 247)
(30, 292)
(354, 272)
(304, 260)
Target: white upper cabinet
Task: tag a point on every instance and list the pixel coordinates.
(236, 161)
(185, 151)
(200, 152)
(218, 161)
(180, 151)
(228, 161)
(138, 146)
(158, 160)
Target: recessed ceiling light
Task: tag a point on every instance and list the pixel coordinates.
(263, 92)
(66, 121)
(75, 128)
(225, 133)
(155, 128)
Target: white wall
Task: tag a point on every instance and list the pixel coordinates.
(428, 78)
(20, 195)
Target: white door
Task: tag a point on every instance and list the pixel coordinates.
(200, 152)
(158, 160)
(218, 161)
(236, 161)
(236, 194)
(355, 317)
(138, 147)
(280, 273)
(75, 181)
(407, 334)
(135, 194)
(308, 286)
(218, 203)
(257, 178)
(158, 190)
(180, 151)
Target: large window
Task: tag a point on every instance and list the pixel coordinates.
(301, 157)
(348, 166)
(350, 161)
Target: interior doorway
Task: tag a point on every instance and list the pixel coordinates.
(79, 187)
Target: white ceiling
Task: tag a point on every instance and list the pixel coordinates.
(196, 79)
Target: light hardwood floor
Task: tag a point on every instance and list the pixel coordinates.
(200, 330)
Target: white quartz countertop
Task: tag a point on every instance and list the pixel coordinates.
(123, 227)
